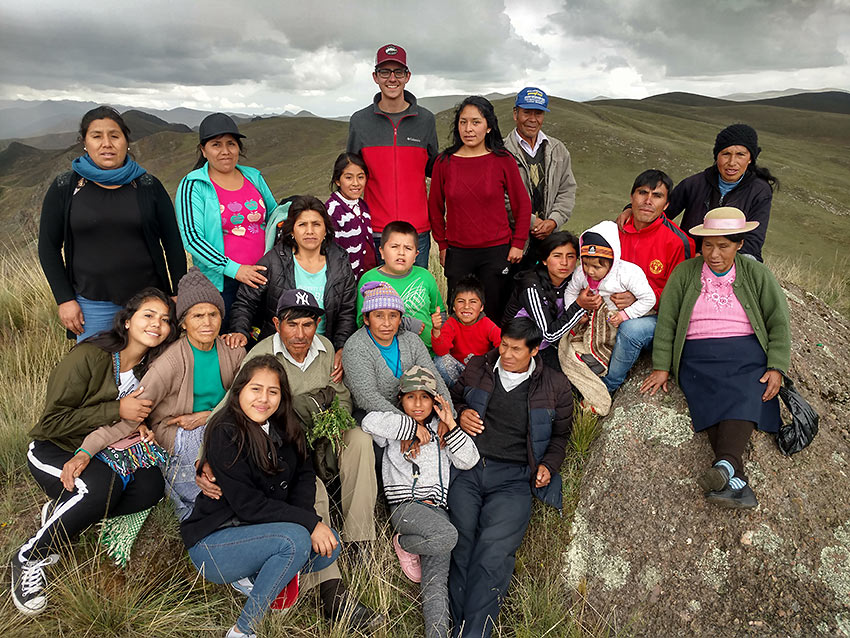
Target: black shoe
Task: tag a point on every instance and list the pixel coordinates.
(714, 479)
(28, 584)
(358, 615)
(736, 499)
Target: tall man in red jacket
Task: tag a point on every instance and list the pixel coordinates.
(397, 139)
(657, 245)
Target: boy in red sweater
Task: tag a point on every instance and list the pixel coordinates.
(468, 332)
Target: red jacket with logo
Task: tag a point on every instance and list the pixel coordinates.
(398, 157)
(657, 249)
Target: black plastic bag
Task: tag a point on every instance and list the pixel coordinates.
(794, 436)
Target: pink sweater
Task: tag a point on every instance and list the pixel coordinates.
(717, 312)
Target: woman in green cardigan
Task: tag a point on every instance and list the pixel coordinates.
(724, 331)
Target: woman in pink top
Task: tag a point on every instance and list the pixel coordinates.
(223, 209)
(724, 330)
(466, 204)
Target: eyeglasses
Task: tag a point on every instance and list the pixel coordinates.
(400, 74)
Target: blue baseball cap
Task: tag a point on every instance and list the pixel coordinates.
(532, 98)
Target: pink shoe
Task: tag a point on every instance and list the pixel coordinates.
(287, 596)
(410, 564)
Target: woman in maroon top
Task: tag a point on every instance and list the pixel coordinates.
(467, 204)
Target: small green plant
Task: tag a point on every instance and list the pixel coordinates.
(330, 424)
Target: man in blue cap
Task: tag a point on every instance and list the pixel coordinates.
(544, 163)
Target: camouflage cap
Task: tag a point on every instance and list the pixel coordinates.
(418, 378)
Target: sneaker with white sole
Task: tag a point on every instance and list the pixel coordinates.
(235, 633)
(410, 563)
(29, 583)
(244, 586)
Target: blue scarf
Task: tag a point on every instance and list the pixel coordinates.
(116, 177)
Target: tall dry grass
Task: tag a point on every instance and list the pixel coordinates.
(830, 285)
(160, 593)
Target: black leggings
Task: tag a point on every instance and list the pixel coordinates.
(98, 495)
(490, 265)
(729, 439)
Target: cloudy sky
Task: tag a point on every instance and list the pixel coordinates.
(262, 56)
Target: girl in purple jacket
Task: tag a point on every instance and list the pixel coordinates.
(350, 213)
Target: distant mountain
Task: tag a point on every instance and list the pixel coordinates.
(143, 124)
(439, 103)
(826, 102)
(767, 95)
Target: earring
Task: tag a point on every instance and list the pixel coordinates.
(126, 325)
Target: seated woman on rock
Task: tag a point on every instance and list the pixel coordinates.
(539, 293)
(724, 331)
(96, 384)
(264, 526)
(305, 257)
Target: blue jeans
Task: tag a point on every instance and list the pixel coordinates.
(270, 553)
(490, 506)
(633, 336)
(98, 316)
(423, 245)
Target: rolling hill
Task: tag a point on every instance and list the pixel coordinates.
(610, 142)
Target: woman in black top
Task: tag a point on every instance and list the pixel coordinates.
(115, 224)
(264, 526)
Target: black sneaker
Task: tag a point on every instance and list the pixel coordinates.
(28, 584)
(736, 499)
(714, 479)
(359, 616)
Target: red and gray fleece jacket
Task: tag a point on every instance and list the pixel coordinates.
(399, 157)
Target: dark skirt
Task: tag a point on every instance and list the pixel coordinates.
(720, 379)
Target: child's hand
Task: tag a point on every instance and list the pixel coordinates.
(615, 319)
(442, 430)
(444, 412)
(410, 449)
(436, 322)
(423, 434)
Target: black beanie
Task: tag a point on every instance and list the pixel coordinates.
(738, 135)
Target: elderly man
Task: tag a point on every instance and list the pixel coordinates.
(544, 163)
(656, 244)
(308, 360)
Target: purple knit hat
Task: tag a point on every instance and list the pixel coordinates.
(379, 295)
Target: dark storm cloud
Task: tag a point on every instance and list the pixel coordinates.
(694, 38)
(126, 45)
(136, 47)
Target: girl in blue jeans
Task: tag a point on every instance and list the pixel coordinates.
(264, 526)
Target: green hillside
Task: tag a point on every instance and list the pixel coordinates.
(610, 142)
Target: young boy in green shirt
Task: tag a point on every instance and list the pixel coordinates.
(415, 285)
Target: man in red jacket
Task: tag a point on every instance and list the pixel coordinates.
(397, 139)
(657, 245)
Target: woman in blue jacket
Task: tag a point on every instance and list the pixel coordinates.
(223, 210)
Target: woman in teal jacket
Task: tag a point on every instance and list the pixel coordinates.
(724, 331)
(223, 210)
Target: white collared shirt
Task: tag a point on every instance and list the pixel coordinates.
(316, 346)
(541, 137)
(511, 380)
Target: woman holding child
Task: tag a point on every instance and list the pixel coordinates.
(95, 384)
(466, 203)
(724, 331)
(307, 258)
(107, 230)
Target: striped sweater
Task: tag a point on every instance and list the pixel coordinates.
(433, 463)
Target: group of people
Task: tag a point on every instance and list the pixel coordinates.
(301, 307)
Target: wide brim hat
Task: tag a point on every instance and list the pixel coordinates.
(726, 220)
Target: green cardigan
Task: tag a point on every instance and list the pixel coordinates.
(757, 290)
(81, 397)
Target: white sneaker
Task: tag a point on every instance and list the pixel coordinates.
(244, 586)
(235, 633)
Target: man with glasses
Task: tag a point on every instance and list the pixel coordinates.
(397, 139)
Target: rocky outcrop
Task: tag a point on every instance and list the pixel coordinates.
(646, 547)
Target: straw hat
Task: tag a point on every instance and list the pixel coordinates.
(726, 220)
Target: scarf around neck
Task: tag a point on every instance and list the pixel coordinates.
(85, 166)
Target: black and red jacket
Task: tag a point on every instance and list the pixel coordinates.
(399, 158)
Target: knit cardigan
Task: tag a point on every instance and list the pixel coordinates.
(168, 383)
(373, 386)
(433, 463)
(756, 289)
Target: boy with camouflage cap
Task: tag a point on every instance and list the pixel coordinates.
(416, 482)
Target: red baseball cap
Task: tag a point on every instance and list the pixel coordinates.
(391, 53)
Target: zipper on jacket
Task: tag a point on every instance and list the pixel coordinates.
(395, 157)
